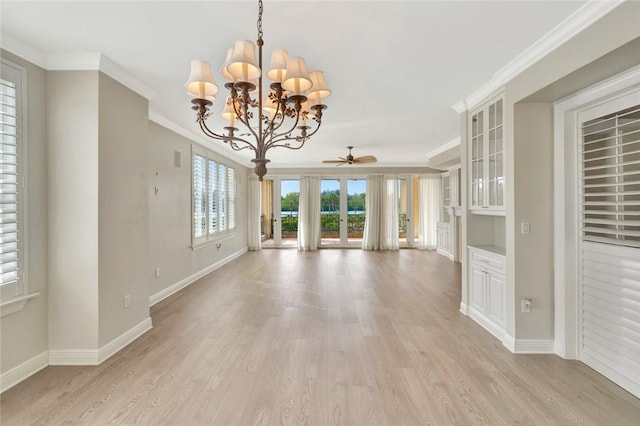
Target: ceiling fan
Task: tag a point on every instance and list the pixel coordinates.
(350, 159)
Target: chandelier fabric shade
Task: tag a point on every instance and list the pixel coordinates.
(276, 118)
(319, 89)
(201, 83)
(297, 78)
(278, 69)
(243, 65)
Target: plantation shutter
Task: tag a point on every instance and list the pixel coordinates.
(231, 197)
(9, 178)
(610, 248)
(611, 178)
(199, 196)
(222, 196)
(213, 202)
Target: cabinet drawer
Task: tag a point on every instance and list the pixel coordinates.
(489, 260)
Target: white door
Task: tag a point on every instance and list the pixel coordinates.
(609, 246)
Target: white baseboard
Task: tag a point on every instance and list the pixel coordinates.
(123, 340)
(97, 356)
(509, 343)
(464, 309)
(23, 371)
(446, 254)
(174, 288)
(533, 346)
(498, 332)
(73, 357)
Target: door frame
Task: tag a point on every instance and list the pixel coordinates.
(566, 204)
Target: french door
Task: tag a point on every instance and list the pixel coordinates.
(342, 205)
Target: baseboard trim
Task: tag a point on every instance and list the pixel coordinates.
(123, 340)
(464, 308)
(487, 324)
(509, 343)
(174, 288)
(533, 346)
(23, 371)
(446, 254)
(73, 357)
(97, 356)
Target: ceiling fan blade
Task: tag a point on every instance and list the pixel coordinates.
(333, 161)
(365, 159)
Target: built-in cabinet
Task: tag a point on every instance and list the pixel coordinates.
(487, 291)
(486, 158)
(486, 284)
(446, 229)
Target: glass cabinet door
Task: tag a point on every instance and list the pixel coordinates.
(495, 155)
(486, 153)
(477, 159)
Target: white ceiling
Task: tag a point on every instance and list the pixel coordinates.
(395, 67)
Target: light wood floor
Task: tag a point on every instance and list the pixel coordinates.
(331, 337)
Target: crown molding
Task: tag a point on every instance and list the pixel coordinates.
(23, 49)
(575, 23)
(116, 72)
(442, 148)
(163, 121)
(75, 62)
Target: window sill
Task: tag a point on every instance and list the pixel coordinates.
(216, 240)
(15, 305)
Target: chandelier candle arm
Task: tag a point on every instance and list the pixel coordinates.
(229, 138)
(244, 73)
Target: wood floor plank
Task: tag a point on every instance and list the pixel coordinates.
(334, 337)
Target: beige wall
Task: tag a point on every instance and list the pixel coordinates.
(123, 229)
(96, 229)
(533, 152)
(170, 212)
(529, 155)
(72, 133)
(25, 334)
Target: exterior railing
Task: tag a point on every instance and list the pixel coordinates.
(330, 224)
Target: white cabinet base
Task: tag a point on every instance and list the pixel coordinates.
(487, 292)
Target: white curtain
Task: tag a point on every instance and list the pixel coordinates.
(429, 206)
(309, 213)
(254, 239)
(381, 220)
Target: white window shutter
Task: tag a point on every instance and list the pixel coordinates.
(611, 178)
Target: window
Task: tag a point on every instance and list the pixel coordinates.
(12, 279)
(214, 198)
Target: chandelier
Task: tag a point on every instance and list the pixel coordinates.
(281, 119)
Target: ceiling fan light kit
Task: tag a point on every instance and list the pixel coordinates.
(350, 159)
(279, 120)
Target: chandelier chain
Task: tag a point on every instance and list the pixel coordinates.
(259, 19)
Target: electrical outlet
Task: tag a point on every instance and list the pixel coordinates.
(127, 300)
(157, 272)
(156, 190)
(525, 305)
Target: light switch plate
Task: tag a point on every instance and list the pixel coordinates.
(525, 227)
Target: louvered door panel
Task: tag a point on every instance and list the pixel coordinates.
(610, 248)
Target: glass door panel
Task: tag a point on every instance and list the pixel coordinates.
(330, 216)
(289, 199)
(356, 190)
